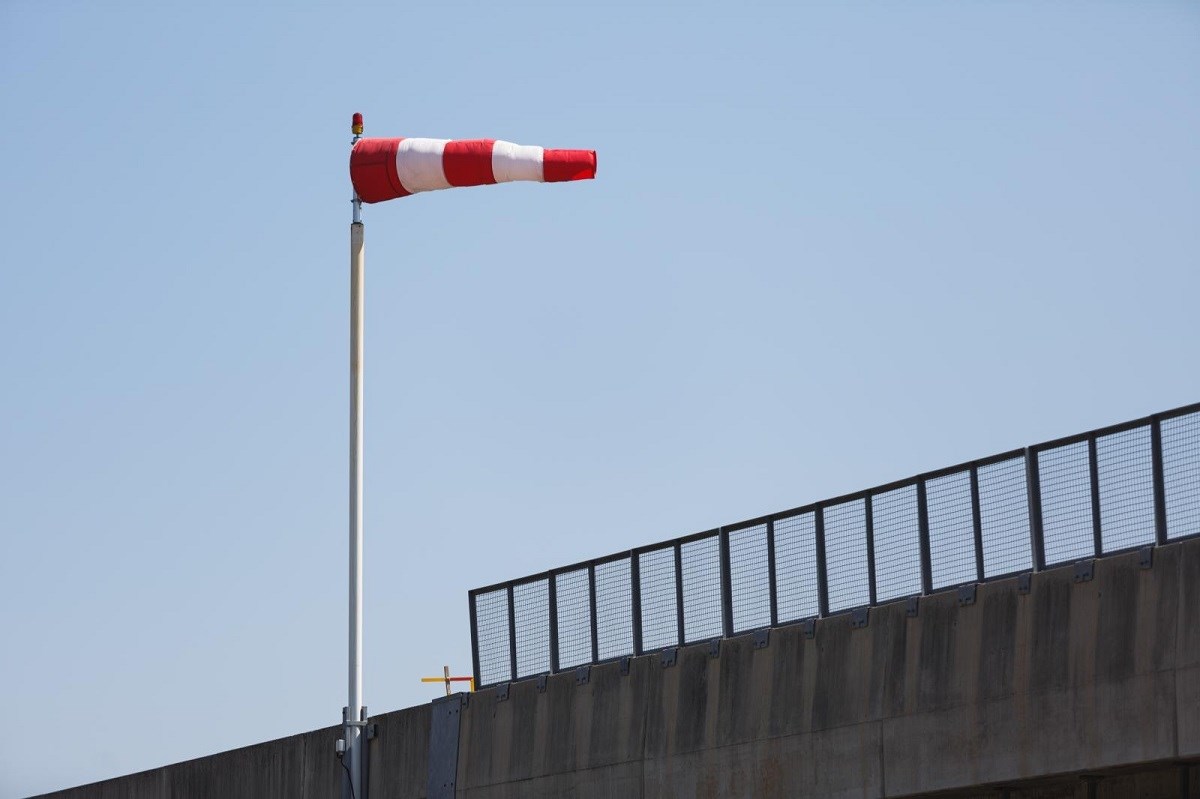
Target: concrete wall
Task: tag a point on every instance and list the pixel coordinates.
(298, 767)
(1029, 690)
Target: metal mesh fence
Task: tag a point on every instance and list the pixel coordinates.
(531, 609)
(660, 620)
(701, 568)
(750, 578)
(846, 555)
(1125, 483)
(614, 609)
(492, 651)
(574, 618)
(897, 528)
(796, 591)
(951, 529)
(1181, 474)
(1109, 490)
(1066, 503)
(1004, 517)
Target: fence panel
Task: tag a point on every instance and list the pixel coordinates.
(1181, 474)
(1004, 517)
(797, 594)
(846, 555)
(951, 529)
(614, 609)
(531, 610)
(1096, 493)
(574, 618)
(701, 575)
(750, 578)
(1125, 481)
(1066, 503)
(660, 608)
(491, 613)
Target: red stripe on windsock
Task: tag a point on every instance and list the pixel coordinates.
(468, 162)
(373, 170)
(560, 165)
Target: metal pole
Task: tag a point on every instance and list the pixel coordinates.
(355, 738)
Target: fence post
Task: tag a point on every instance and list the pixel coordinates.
(1094, 481)
(923, 532)
(726, 585)
(822, 569)
(1160, 487)
(592, 608)
(474, 637)
(977, 523)
(870, 522)
(553, 623)
(680, 637)
(771, 572)
(512, 636)
(635, 586)
(1033, 494)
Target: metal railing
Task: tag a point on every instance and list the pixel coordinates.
(1096, 493)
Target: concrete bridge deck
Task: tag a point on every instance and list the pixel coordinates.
(1058, 685)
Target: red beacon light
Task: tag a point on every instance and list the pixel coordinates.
(356, 125)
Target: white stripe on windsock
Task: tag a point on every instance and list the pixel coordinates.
(516, 161)
(419, 165)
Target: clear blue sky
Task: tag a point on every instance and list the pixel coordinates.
(829, 245)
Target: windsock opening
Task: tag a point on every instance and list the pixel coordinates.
(384, 169)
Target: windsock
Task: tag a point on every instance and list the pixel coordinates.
(383, 169)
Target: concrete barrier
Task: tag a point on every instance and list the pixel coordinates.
(1061, 685)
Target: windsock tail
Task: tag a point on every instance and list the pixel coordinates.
(384, 169)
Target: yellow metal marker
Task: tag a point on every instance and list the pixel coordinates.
(447, 679)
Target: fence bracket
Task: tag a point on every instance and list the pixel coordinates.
(1025, 583)
(1083, 571)
(1146, 558)
(583, 675)
(911, 606)
(762, 638)
(625, 665)
(669, 656)
(810, 628)
(502, 692)
(714, 648)
(860, 618)
(541, 684)
(966, 595)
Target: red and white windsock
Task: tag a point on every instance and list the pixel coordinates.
(383, 169)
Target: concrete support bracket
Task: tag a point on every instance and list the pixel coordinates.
(966, 595)
(1084, 570)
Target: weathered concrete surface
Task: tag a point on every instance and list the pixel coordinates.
(298, 767)
(1030, 692)
(1072, 678)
